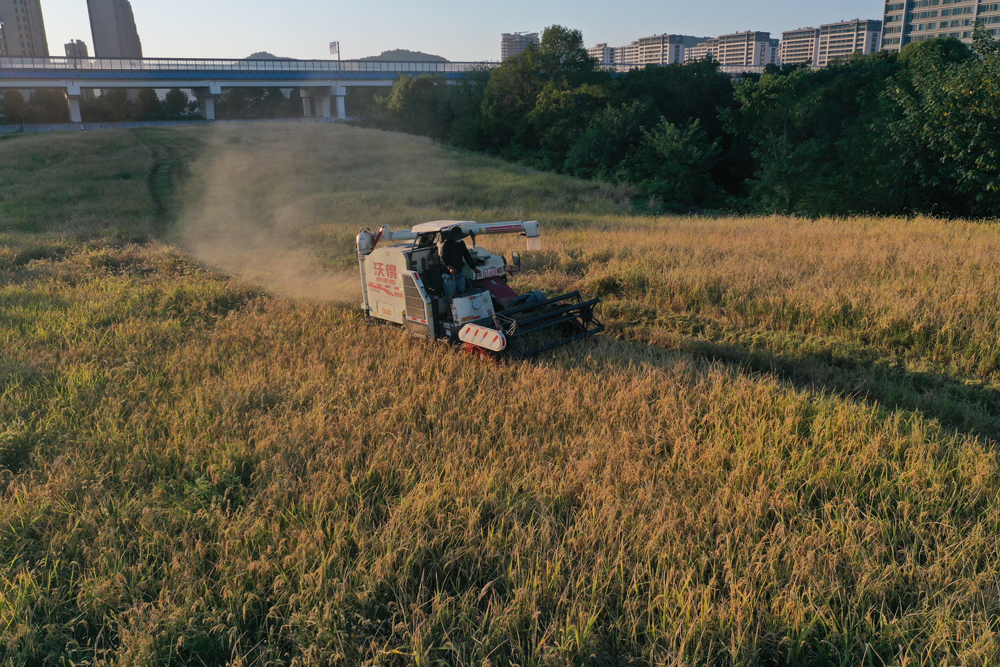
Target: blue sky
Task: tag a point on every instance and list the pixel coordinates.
(450, 28)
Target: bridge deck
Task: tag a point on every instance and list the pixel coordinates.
(171, 69)
(168, 69)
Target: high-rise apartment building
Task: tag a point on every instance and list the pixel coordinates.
(800, 46)
(602, 53)
(113, 27)
(917, 20)
(818, 46)
(740, 49)
(702, 50)
(77, 49)
(23, 29)
(628, 54)
(662, 49)
(837, 40)
(512, 44)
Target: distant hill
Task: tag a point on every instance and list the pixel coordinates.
(403, 55)
(397, 55)
(264, 55)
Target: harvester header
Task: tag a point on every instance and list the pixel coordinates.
(406, 281)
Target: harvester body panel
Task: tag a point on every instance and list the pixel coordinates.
(421, 319)
(484, 337)
(471, 307)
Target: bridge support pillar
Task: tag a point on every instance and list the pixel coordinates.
(318, 101)
(207, 104)
(341, 93)
(206, 99)
(73, 94)
(311, 101)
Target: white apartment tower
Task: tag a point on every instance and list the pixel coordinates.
(113, 27)
(602, 53)
(705, 49)
(662, 49)
(512, 44)
(918, 20)
(741, 49)
(837, 40)
(22, 30)
(800, 46)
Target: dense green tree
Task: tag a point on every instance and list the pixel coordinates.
(96, 110)
(249, 103)
(949, 131)
(815, 137)
(148, 105)
(118, 105)
(466, 96)
(934, 53)
(912, 132)
(673, 164)
(693, 91)
(175, 103)
(613, 134)
(558, 67)
(13, 107)
(560, 116)
(681, 93)
(274, 104)
(418, 105)
(234, 103)
(48, 105)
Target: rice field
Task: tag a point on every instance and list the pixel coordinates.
(784, 451)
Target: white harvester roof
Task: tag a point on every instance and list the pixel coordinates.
(467, 226)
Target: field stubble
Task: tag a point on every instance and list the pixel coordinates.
(785, 451)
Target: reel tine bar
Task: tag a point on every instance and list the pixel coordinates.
(577, 320)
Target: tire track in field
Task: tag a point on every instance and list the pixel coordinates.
(171, 156)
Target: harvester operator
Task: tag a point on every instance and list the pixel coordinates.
(454, 255)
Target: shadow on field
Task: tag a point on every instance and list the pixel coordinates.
(972, 409)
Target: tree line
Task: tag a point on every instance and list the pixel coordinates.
(889, 133)
(47, 105)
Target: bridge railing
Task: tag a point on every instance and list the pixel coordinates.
(224, 65)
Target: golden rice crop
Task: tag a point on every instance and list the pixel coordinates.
(784, 451)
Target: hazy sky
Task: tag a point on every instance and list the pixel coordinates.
(450, 28)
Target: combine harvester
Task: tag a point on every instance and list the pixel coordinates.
(402, 283)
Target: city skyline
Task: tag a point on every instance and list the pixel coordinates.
(304, 28)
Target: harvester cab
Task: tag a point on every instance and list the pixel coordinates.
(402, 283)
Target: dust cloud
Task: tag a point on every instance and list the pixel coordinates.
(243, 214)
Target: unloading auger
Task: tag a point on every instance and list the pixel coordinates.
(402, 283)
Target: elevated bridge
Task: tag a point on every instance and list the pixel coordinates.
(323, 83)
